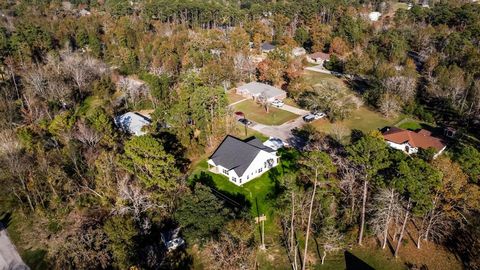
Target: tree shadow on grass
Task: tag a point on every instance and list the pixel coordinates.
(5, 219)
(236, 201)
(352, 262)
(275, 176)
(35, 259)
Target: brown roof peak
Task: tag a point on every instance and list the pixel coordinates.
(321, 55)
(421, 139)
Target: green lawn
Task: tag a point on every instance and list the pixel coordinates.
(239, 132)
(233, 97)
(313, 78)
(363, 119)
(377, 258)
(258, 193)
(255, 191)
(412, 125)
(257, 113)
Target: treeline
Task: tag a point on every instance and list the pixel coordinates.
(93, 197)
(339, 194)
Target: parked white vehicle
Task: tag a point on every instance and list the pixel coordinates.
(277, 103)
(318, 115)
(175, 243)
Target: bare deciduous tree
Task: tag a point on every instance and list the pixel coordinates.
(228, 253)
(331, 240)
(263, 100)
(133, 200)
(385, 207)
(87, 135)
(82, 69)
(402, 86)
(390, 105)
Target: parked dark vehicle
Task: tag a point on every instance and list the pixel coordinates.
(245, 121)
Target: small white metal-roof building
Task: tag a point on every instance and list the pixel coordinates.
(132, 123)
(298, 51)
(374, 16)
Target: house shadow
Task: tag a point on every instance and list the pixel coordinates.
(236, 201)
(352, 262)
(5, 219)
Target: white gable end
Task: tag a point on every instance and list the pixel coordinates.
(262, 163)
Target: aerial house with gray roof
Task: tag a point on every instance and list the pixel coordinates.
(256, 89)
(242, 160)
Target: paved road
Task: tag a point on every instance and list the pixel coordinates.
(294, 110)
(9, 257)
(236, 102)
(319, 68)
(283, 131)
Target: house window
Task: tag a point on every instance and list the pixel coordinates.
(265, 164)
(225, 171)
(260, 170)
(240, 180)
(234, 179)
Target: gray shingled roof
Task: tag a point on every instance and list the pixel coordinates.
(268, 46)
(235, 154)
(256, 88)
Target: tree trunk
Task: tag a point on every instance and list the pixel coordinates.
(292, 234)
(420, 230)
(387, 222)
(295, 258)
(396, 229)
(323, 256)
(430, 220)
(405, 220)
(309, 221)
(364, 202)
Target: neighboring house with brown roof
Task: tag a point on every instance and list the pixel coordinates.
(318, 58)
(411, 141)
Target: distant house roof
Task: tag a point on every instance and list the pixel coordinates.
(320, 55)
(235, 154)
(420, 139)
(374, 16)
(132, 122)
(266, 46)
(84, 12)
(257, 88)
(298, 51)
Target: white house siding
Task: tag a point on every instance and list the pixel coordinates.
(257, 167)
(403, 147)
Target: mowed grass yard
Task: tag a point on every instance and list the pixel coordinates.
(256, 113)
(363, 119)
(313, 78)
(256, 195)
(233, 97)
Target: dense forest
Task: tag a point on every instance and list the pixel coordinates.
(82, 194)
